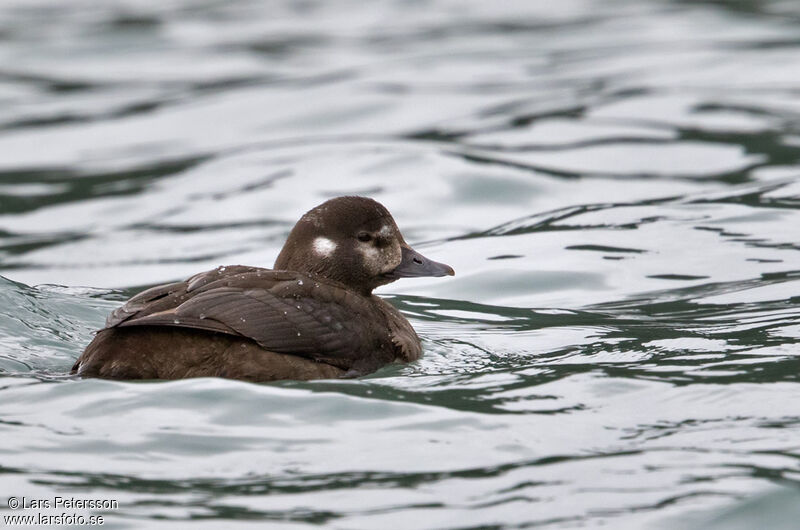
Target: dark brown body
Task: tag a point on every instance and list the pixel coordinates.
(314, 317)
(249, 323)
(175, 353)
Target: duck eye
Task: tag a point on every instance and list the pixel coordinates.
(364, 236)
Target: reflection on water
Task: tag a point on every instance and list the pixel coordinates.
(616, 184)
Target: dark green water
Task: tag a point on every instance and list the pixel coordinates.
(616, 184)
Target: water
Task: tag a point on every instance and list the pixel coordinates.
(615, 183)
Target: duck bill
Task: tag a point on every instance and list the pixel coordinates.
(413, 265)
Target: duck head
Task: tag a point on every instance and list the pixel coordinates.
(355, 241)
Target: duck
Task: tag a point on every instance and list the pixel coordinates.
(312, 316)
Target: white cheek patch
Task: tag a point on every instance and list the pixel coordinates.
(385, 231)
(372, 258)
(324, 246)
(370, 252)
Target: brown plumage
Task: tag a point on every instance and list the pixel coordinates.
(314, 316)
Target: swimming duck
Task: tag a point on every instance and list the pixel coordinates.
(313, 316)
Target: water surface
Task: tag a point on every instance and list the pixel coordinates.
(615, 183)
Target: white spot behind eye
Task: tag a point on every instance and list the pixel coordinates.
(324, 246)
(385, 231)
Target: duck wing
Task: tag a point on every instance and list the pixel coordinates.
(282, 311)
(169, 296)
